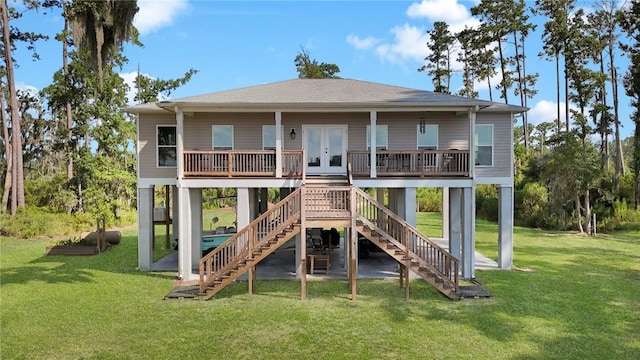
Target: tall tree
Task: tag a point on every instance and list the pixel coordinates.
(441, 43)
(310, 69)
(630, 20)
(556, 40)
(467, 56)
(496, 25)
(17, 180)
(609, 16)
(102, 27)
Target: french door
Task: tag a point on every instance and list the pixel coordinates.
(326, 148)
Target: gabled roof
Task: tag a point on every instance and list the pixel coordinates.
(324, 93)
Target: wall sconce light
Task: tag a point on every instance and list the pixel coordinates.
(422, 125)
(292, 133)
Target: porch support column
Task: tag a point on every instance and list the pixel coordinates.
(454, 226)
(175, 207)
(468, 229)
(410, 207)
(243, 209)
(278, 116)
(184, 235)
(145, 228)
(472, 139)
(373, 117)
(445, 213)
(301, 253)
(195, 197)
(179, 142)
(353, 251)
(505, 227)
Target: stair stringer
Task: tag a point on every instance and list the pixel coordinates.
(243, 262)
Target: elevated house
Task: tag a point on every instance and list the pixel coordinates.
(321, 141)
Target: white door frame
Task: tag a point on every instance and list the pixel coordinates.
(324, 143)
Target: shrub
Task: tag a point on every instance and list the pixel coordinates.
(532, 205)
(429, 199)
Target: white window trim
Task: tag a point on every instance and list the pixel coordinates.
(477, 144)
(386, 145)
(274, 140)
(426, 126)
(158, 146)
(213, 127)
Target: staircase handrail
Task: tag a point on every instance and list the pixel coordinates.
(240, 246)
(422, 248)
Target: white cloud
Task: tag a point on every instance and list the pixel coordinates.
(448, 11)
(546, 110)
(362, 44)
(409, 43)
(32, 90)
(155, 14)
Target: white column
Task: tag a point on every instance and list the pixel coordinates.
(410, 206)
(243, 209)
(184, 235)
(454, 210)
(472, 142)
(145, 227)
(278, 116)
(175, 207)
(195, 196)
(445, 213)
(468, 229)
(179, 142)
(505, 227)
(373, 117)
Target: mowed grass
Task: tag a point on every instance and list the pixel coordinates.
(579, 299)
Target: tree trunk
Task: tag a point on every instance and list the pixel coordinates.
(579, 214)
(8, 153)
(65, 70)
(17, 191)
(558, 122)
(587, 211)
(503, 69)
(7, 179)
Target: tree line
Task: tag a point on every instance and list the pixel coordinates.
(564, 170)
(69, 148)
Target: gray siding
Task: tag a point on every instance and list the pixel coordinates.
(453, 130)
(453, 133)
(147, 151)
(502, 146)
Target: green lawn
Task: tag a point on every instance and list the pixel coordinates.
(582, 301)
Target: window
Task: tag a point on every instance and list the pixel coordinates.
(167, 150)
(269, 136)
(484, 144)
(222, 137)
(382, 137)
(428, 137)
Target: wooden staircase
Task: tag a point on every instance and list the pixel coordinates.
(407, 245)
(403, 242)
(250, 245)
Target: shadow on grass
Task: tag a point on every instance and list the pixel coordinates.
(121, 259)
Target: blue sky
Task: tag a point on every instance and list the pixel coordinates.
(243, 43)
